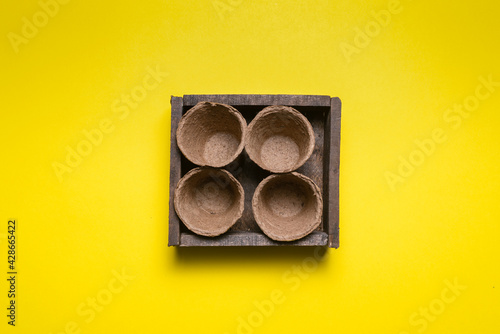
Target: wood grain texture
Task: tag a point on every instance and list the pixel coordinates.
(175, 171)
(261, 100)
(316, 238)
(321, 167)
(331, 175)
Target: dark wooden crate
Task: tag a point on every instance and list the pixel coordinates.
(322, 167)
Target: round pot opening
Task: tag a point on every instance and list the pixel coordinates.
(211, 134)
(279, 139)
(209, 201)
(287, 206)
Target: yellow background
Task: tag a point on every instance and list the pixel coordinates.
(398, 247)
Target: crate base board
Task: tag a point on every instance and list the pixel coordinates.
(316, 238)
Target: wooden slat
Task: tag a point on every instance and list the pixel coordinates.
(175, 171)
(261, 100)
(316, 238)
(331, 175)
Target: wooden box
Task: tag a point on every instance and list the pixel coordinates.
(322, 167)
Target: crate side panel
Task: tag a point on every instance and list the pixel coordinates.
(261, 100)
(175, 171)
(332, 168)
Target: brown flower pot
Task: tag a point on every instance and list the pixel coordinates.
(211, 134)
(287, 206)
(279, 139)
(208, 200)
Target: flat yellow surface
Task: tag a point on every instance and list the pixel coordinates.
(85, 93)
